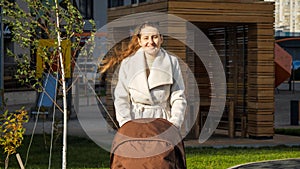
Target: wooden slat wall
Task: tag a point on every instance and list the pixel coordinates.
(261, 80)
(260, 15)
(231, 42)
(115, 13)
(224, 11)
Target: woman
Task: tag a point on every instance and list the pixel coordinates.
(150, 84)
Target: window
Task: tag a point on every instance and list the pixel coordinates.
(115, 3)
(85, 7)
(137, 1)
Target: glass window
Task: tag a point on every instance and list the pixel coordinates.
(85, 7)
(137, 1)
(115, 3)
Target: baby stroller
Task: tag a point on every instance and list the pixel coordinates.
(148, 143)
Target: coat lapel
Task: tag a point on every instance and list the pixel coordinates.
(161, 71)
(138, 80)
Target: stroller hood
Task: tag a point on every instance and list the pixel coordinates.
(148, 143)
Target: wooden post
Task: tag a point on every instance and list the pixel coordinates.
(20, 161)
(244, 126)
(231, 132)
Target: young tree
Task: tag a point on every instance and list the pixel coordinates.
(12, 131)
(49, 29)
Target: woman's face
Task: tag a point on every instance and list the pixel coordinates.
(150, 40)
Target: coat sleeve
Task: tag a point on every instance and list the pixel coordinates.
(177, 98)
(122, 98)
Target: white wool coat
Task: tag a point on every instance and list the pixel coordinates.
(161, 95)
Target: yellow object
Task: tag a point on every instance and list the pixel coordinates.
(66, 52)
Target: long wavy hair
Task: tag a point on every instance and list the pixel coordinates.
(119, 54)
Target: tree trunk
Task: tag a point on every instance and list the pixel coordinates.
(7, 160)
(65, 112)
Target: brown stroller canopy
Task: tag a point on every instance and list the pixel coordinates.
(148, 143)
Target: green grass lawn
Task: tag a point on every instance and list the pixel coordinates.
(84, 154)
(288, 131)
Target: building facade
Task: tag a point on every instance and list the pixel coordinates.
(287, 17)
(90, 10)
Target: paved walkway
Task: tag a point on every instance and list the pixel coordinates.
(274, 164)
(221, 140)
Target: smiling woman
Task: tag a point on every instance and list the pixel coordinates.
(150, 88)
(150, 83)
(150, 40)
